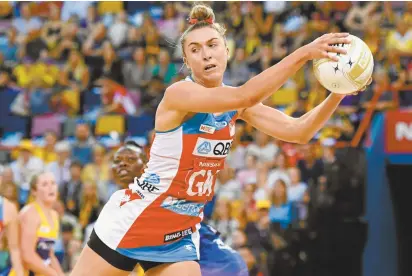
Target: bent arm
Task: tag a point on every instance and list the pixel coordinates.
(192, 97)
(295, 130)
(54, 263)
(12, 232)
(29, 224)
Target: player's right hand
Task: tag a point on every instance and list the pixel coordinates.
(322, 46)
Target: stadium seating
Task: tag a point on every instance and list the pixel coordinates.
(110, 123)
(139, 125)
(43, 123)
(15, 124)
(6, 99)
(91, 99)
(69, 127)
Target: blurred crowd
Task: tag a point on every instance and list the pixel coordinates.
(101, 65)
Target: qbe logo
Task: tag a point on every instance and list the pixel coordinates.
(212, 148)
(204, 148)
(152, 178)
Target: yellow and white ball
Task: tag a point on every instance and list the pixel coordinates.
(351, 73)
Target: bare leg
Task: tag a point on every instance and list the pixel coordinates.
(187, 268)
(90, 263)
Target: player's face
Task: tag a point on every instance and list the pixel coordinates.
(46, 188)
(206, 54)
(127, 164)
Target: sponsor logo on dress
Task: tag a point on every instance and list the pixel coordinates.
(146, 186)
(212, 148)
(182, 207)
(204, 148)
(136, 190)
(45, 245)
(177, 235)
(209, 164)
(152, 178)
(207, 129)
(44, 229)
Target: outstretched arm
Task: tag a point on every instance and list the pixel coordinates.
(54, 263)
(192, 97)
(296, 130)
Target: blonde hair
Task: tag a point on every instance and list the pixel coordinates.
(34, 179)
(202, 16)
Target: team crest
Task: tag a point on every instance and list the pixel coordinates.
(128, 196)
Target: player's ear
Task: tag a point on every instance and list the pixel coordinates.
(185, 62)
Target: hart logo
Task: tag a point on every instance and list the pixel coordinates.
(207, 129)
(398, 131)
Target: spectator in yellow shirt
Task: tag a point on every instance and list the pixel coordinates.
(400, 39)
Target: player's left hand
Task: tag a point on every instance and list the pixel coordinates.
(363, 88)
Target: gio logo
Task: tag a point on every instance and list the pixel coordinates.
(204, 148)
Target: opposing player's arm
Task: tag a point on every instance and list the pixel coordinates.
(29, 222)
(54, 262)
(12, 232)
(192, 97)
(295, 130)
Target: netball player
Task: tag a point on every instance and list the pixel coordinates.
(9, 225)
(39, 225)
(216, 258)
(195, 125)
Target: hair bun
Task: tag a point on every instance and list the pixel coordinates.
(202, 12)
